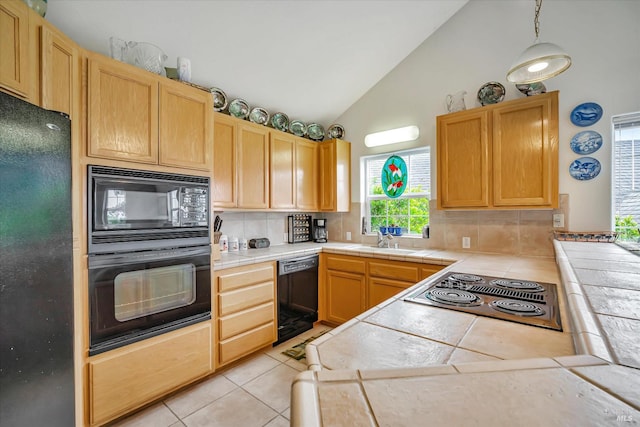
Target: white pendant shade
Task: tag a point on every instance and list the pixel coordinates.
(393, 136)
(539, 62)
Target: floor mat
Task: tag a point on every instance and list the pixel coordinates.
(297, 351)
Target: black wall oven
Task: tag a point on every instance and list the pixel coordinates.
(149, 254)
(137, 295)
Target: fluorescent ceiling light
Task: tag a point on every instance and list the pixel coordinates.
(393, 136)
(539, 61)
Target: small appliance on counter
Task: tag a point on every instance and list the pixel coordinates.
(299, 228)
(320, 230)
(259, 243)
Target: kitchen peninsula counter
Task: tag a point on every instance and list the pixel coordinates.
(402, 363)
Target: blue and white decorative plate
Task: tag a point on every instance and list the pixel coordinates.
(585, 168)
(586, 142)
(394, 177)
(586, 114)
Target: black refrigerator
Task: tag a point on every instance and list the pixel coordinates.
(36, 268)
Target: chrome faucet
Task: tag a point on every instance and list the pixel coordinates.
(381, 240)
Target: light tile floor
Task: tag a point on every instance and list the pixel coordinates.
(254, 393)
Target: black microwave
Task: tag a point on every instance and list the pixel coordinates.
(133, 210)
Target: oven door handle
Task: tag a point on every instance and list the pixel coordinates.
(128, 258)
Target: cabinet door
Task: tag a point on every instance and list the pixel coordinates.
(253, 166)
(186, 121)
(345, 294)
(125, 379)
(122, 112)
(525, 152)
(463, 159)
(224, 185)
(306, 175)
(327, 155)
(283, 170)
(14, 45)
(335, 176)
(382, 289)
(59, 71)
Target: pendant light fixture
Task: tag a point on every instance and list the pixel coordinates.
(540, 61)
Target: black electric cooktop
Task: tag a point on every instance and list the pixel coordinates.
(520, 301)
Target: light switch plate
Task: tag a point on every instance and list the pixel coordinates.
(348, 235)
(558, 220)
(466, 242)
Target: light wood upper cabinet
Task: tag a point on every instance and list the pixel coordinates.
(525, 152)
(283, 192)
(253, 166)
(122, 112)
(241, 171)
(15, 72)
(463, 160)
(500, 156)
(306, 174)
(186, 123)
(136, 116)
(294, 172)
(59, 71)
(224, 185)
(335, 176)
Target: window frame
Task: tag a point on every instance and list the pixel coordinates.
(618, 121)
(367, 198)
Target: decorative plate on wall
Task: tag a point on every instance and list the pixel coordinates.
(586, 142)
(394, 177)
(586, 114)
(585, 168)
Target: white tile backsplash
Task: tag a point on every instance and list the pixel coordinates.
(251, 225)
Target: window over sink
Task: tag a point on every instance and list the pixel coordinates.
(409, 211)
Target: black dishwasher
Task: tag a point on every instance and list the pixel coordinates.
(297, 296)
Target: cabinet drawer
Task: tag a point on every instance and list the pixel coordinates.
(246, 343)
(395, 270)
(227, 282)
(349, 265)
(237, 323)
(241, 299)
(124, 379)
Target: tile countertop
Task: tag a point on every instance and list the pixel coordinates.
(394, 365)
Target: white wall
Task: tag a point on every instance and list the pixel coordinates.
(478, 45)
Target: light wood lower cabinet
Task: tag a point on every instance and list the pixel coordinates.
(124, 379)
(245, 301)
(349, 285)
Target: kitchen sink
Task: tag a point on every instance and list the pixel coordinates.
(375, 248)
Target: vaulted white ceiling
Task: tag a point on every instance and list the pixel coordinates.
(311, 59)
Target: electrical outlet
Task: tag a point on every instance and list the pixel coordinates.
(285, 237)
(558, 220)
(466, 242)
(348, 235)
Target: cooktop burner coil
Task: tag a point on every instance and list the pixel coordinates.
(519, 308)
(520, 285)
(453, 297)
